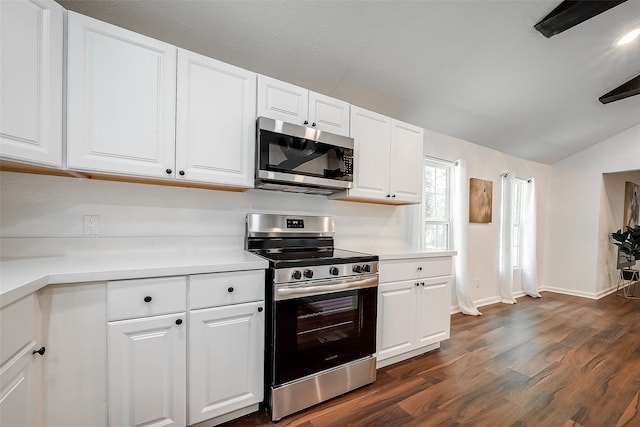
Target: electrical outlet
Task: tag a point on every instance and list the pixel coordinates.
(92, 225)
(477, 282)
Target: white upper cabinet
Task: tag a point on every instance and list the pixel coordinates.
(215, 126)
(372, 135)
(406, 162)
(329, 114)
(293, 104)
(388, 159)
(120, 100)
(31, 49)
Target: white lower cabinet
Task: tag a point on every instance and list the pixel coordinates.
(225, 359)
(433, 305)
(147, 369)
(18, 387)
(414, 299)
(130, 353)
(397, 309)
(19, 364)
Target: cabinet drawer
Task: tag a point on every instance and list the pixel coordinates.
(217, 289)
(17, 327)
(415, 268)
(145, 297)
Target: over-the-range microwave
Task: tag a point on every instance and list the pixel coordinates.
(302, 159)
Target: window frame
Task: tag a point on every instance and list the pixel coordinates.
(448, 223)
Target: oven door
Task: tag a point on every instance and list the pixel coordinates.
(321, 326)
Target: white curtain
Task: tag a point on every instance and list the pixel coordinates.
(459, 218)
(505, 270)
(528, 254)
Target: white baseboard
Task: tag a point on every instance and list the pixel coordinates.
(496, 299)
(571, 292)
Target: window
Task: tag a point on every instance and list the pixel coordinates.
(517, 221)
(436, 208)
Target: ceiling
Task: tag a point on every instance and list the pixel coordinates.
(476, 70)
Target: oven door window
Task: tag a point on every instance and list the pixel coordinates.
(320, 332)
(289, 154)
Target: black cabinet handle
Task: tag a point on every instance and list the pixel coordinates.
(394, 196)
(230, 289)
(169, 171)
(388, 195)
(419, 268)
(422, 284)
(181, 173)
(178, 321)
(260, 309)
(306, 122)
(147, 298)
(40, 351)
(417, 284)
(313, 124)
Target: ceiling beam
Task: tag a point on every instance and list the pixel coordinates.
(571, 13)
(625, 90)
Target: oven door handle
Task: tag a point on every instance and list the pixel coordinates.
(290, 292)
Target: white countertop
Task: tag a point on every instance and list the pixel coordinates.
(391, 251)
(20, 277)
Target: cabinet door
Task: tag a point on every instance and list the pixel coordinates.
(226, 346)
(31, 40)
(396, 318)
(329, 114)
(18, 406)
(433, 310)
(406, 162)
(215, 127)
(282, 101)
(371, 132)
(147, 367)
(121, 89)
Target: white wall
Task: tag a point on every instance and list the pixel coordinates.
(43, 215)
(574, 238)
(483, 239)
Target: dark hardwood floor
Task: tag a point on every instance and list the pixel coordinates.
(554, 361)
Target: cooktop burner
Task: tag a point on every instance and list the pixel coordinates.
(302, 258)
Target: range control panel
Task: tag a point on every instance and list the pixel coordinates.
(324, 272)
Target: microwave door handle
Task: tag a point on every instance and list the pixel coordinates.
(288, 292)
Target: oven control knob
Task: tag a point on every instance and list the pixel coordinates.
(366, 268)
(334, 271)
(357, 269)
(308, 274)
(296, 275)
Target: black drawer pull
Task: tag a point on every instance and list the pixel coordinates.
(178, 321)
(230, 289)
(147, 299)
(419, 268)
(260, 309)
(40, 351)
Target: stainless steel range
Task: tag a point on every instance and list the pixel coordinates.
(321, 311)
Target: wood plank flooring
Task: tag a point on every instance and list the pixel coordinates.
(554, 361)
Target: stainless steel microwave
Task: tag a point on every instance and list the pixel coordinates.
(301, 159)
